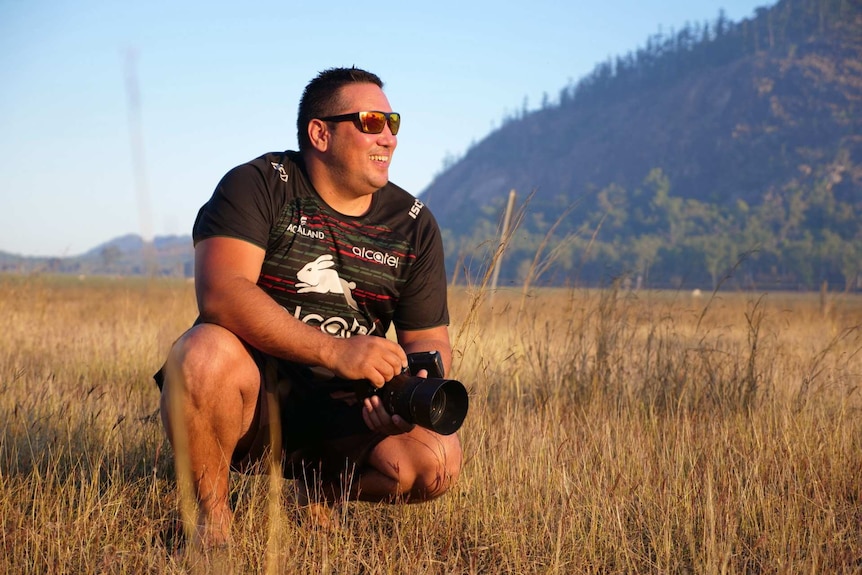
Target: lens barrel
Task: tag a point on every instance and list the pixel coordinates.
(436, 404)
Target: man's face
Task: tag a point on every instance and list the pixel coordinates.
(360, 162)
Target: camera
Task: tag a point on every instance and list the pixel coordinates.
(432, 402)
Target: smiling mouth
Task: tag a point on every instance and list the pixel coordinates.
(378, 158)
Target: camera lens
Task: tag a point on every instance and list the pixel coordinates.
(436, 404)
(438, 407)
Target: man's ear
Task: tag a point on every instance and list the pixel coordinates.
(319, 134)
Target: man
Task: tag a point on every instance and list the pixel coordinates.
(302, 262)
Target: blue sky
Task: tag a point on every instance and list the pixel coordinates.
(219, 84)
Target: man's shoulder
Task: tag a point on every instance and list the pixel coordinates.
(273, 173)
(275, 164)
(396, 191)
(404, 205)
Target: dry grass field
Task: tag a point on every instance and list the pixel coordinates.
(609, 432)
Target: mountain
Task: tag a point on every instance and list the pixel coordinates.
(125, 255)
(720, 131)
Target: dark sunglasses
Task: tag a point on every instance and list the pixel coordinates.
(369, 122)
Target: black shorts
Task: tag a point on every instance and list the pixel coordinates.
(323, 435)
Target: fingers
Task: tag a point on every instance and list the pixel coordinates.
(372, 358)
(384, 366)
(380, 421)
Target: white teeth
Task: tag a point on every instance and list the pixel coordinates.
(380, 158)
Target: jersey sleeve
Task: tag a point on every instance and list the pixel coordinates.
(241, 207)
(423, 301)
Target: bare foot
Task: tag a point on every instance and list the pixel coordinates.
(314, 510)
(213, 529)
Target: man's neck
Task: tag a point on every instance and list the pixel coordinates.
(353, 206)
(329, 192)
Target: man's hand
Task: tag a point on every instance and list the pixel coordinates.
(375, 359)
(378, 419)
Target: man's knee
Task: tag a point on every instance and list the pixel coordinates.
(210, 375)
(434, 469)
(212, 384)
(209, 359)
(439, 477)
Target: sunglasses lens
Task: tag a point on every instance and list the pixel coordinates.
(372, 122)
(394, 122)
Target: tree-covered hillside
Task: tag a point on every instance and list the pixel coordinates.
(720, 147)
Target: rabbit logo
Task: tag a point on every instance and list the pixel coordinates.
(318, 277)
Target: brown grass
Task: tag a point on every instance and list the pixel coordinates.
(609, 432)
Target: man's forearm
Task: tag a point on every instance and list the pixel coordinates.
(440, 344)
(246, 310)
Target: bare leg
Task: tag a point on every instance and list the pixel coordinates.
(209, 395)
(411, 467)
(416, 466)
(408, 468)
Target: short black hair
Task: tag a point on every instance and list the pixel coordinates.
(321, 97)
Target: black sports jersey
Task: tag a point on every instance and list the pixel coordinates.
(348, 275)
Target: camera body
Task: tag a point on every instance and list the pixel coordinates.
(431, 361)
(432, 402)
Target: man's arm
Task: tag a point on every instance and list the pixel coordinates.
(433, 339)
(226, 273)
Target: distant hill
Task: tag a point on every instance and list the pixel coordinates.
(720, 142)
(125, 255)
